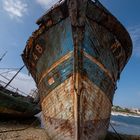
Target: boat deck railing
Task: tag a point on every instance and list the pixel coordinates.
(12, 89)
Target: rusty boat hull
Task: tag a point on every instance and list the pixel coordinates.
(75, 63)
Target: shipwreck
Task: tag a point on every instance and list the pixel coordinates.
(76, 57)
(14, 105)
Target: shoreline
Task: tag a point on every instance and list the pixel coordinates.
(115, 113)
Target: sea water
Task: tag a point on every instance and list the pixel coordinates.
(125, 124)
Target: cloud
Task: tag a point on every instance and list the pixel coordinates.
(22, 81)
(15, 8)
(135, 35)
(47, 3)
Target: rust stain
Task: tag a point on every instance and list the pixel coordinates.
(60, 112)
(58, 109)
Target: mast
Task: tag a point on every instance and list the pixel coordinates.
(14, 76)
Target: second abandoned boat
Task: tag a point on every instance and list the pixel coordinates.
(75, 58)
(14, 105)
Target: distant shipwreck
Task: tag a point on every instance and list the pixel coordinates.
(75, 57)
(14, 103)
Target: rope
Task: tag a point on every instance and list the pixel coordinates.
(14, 76)
(117, 134)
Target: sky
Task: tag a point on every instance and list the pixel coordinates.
(17, 22)
(22, 83)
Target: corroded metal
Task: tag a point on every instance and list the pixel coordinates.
(76, 56)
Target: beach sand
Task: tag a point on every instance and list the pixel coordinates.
(30, 130)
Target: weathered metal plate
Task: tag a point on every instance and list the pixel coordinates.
(95, 111)
(97, 42)
(61, 115)
(58, 110)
